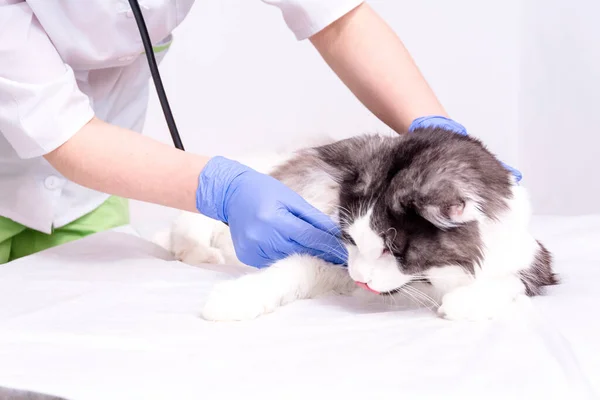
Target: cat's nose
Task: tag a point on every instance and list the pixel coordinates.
(360, 271)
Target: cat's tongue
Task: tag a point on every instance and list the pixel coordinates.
(365, 286)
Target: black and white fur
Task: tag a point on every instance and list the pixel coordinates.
(431, 213)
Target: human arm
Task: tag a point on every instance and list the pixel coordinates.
(371, 60)
(366, 54)
(374, 64)
(121, 162)
(44, 114)
(266, 224)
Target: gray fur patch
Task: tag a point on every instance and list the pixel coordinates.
(540, 274)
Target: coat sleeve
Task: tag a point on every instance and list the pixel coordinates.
(41, 106)
(307, 17)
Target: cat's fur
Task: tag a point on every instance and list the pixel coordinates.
(433, 211)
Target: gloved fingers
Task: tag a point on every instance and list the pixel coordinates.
(257, 259)
(517, 174)
(437, 121)
(283, 248)
(260, 248)
(306, 212)
(333, 256)
(314, 241)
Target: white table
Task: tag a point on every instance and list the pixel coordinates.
(114, 317)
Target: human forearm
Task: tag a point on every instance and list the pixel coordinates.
(120, 162)
(262, 213)
(372, 61)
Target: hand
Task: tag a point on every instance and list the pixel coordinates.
(447, 123)
(268, 221)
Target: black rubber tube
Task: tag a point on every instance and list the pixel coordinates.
(160, 90)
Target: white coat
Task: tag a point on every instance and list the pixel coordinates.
(64, 61)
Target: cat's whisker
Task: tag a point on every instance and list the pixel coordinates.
(324, 220)
(392, 299)
(413, 297)
(344, 209)
(449, 274)
(422, 294)
(434, 303)
(332, 251)
(403, 294)
(417, 296)
(410, 296)
(444, 278)
(324, 217)
(393, 302)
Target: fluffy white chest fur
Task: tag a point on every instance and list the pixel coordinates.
(508, 250)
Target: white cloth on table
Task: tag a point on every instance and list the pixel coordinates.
(114, 317)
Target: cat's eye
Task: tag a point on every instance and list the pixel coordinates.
(351, 178)
(395, 212)
(347, 238)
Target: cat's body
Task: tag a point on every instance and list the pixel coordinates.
(433, 212)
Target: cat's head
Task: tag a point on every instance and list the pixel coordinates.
(414, 202)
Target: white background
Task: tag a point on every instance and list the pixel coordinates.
(522, 75)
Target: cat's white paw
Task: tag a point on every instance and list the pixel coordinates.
(238, 300)
(474, 303)
(199, 255)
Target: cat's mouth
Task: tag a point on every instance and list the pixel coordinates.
(366, 286)
(386, 293)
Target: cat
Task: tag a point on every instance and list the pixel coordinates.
(430, 214)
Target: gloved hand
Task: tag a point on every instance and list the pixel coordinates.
(443, 122)
(267, 220)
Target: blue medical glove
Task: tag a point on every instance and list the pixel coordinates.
(443, 122)
(268, 221)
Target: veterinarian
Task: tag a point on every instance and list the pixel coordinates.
(73, 96)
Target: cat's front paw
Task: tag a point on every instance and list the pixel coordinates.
(237, 300)
(200, 255)
(474, 303)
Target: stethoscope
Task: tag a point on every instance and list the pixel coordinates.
(160, 90)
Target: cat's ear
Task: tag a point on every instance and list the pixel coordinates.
(360, 160)
(449, 208)
(341, 159)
